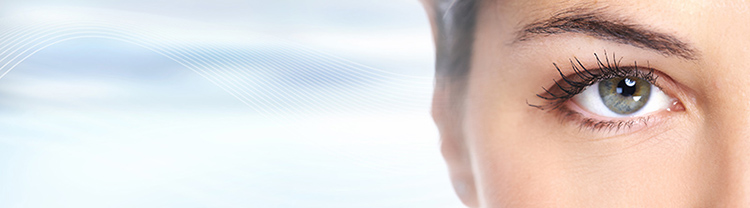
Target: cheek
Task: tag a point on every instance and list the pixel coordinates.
(520, 161)
(513, 163)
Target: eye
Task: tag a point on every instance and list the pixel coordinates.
(622, 97)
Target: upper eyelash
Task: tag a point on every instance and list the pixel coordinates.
(567, 86)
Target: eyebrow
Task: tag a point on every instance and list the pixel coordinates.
(596, 23)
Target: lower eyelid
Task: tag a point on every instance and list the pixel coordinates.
(572, 114)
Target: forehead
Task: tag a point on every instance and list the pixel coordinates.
(686, 11)
(680, 6)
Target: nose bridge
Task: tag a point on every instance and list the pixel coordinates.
(723, 99)
(728, 121)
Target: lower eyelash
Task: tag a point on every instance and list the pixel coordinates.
(599, 125)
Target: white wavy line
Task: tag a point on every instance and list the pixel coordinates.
(231, 74)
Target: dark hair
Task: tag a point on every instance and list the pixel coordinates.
(455, 23)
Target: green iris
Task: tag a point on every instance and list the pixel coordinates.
(624, 95)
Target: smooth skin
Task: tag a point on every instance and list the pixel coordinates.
(503, 153)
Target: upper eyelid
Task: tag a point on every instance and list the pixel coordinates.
(605, 68)
(597, 75)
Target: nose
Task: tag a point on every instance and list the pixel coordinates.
(728, 136)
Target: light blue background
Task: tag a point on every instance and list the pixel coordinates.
(166, 103)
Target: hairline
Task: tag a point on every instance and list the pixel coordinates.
(455, 23)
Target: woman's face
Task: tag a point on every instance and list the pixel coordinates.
(657, 118)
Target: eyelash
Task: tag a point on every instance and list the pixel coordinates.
(569, 86)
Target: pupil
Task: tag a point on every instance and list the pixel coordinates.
(626, 87)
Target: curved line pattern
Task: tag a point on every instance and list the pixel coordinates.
(273, 77)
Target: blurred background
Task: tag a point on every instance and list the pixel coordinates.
(221, 103)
